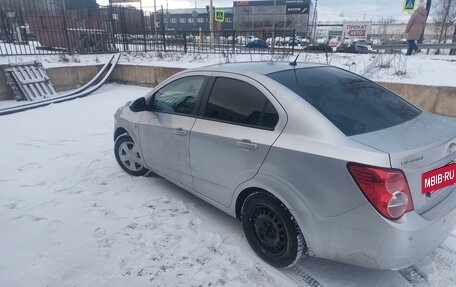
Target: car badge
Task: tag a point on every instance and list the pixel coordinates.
(452, 148)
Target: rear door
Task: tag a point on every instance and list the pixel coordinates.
(165, 130)
(238, 123)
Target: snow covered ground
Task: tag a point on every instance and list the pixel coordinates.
(69, 216)
(419, 69)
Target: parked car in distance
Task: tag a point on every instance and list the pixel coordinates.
(312, 159)
(258, 43)
(319, 48)
(376, 42)
(305, 42)
(293, 42)
(353, 48)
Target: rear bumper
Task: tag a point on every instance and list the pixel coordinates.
(362, 237)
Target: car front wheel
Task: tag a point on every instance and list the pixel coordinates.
(128, 156)
(271, 230)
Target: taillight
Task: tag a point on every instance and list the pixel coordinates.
(385, 188)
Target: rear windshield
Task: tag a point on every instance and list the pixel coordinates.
(350, 102)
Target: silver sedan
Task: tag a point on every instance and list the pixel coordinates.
(312, 159)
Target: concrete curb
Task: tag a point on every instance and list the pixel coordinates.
(440, 100)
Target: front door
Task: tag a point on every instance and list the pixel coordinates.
(165, 130)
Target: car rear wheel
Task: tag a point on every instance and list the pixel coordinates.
(128, 156)
(271, 230)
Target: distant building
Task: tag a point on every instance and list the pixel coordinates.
(81, 4)
(261, 15)
(195, 18)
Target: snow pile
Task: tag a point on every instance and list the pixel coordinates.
(70, 216)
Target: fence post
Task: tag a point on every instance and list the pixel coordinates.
(143, 24)
(162, 25)
(233, 42)
(293, 43)
(65, 28)
(185, 42)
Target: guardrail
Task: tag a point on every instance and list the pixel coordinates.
(422, 46)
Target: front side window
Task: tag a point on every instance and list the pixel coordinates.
(178, 97)
(238, 102)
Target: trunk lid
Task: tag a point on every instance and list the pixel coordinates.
(422, 144)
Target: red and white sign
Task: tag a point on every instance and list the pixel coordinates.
(438, 178)
(357, 33)
(358, 29)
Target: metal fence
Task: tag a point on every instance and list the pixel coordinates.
(36, 27)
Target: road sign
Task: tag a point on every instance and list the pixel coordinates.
(219, 16)
(409, 5)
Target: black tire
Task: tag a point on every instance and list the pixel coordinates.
(271, 230)
(128, 157)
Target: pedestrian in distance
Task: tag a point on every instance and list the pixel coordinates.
(415, 28)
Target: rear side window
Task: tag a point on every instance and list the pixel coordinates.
(238, 102)
(351, 103)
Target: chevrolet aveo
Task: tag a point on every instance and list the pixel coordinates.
(312, 159)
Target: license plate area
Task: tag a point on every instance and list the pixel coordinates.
(438, 179)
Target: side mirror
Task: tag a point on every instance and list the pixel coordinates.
(139, 105)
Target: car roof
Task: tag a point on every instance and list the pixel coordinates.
(262, 68)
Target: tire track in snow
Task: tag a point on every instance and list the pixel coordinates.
(301, 277)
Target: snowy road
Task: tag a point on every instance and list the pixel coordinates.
(69, 216)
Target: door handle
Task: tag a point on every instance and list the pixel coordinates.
(181, 132)
(246, 145)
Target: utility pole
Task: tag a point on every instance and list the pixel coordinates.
(211, 22)
(314, 23)
(428, 9)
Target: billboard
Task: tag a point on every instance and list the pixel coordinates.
(297, 9)
(356, 29)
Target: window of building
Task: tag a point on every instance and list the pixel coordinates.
(200, 20)
(182, 20)
(228, 20)
(173, 20)
(189, 20)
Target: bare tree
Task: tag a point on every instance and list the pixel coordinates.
(444, 17)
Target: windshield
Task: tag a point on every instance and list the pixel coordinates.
(352, 103)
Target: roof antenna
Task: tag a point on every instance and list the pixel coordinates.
(294, 62)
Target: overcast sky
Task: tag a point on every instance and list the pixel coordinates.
(328, 10)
